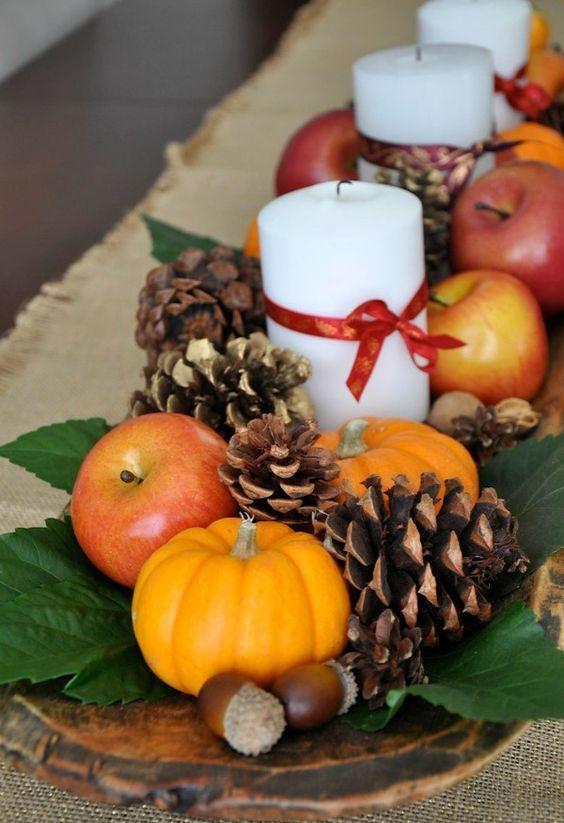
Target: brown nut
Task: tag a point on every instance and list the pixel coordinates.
(250, 719)
(314, 693)
(450, 405)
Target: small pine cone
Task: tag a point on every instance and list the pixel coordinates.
(214, 295)
(227, 390)
(433, 569)
(386, 656)
(275, 473)
(429, 185)
(492, 429)
(436, 232)
(553, 116)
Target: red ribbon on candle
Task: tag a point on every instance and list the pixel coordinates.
(529, 98)
(369, 324)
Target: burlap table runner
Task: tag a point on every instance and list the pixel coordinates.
(72, 354)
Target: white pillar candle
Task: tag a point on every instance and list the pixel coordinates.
(431, 95)
(502, 26)
(324, 251)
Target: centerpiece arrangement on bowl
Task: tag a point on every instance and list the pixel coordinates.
(283, 527)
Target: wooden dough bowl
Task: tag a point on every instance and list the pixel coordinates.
(161, 753)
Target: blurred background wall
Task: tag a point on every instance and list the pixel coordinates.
(28, 27)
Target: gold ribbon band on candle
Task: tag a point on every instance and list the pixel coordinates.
(454, 163)
(528, 98)
(369, 324)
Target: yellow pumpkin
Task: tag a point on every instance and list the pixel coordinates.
(392, 446)
(254, 598)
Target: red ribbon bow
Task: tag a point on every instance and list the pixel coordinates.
(529, 98)
(369, 324)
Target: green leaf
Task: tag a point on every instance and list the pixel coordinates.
(506, 672)
(57, 629)
(33, 557)
(360, 717)
(168, 241)
(531, 479)
(59, 616)
(121, 676)
(54, 453)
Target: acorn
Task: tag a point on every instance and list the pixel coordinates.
(315, 693)
(250, 719)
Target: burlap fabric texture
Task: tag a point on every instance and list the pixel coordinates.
(72, 354)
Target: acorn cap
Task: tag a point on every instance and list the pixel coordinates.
(350, 686)
(254, 720)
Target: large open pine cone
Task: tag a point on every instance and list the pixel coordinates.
(226, 390)
(277, 473)
(215, 295)
(432, 569)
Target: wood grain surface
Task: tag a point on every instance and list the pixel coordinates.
(161, 753)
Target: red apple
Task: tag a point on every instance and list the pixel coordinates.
(499, 319)
(511, 219)
(142, 483)
(324, 148)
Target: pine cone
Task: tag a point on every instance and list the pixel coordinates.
(279, 474)
(227, 390)
(433, 570)
(553, 116)
(213, 295)
(428, 184)
(492, 429)
(385, 656)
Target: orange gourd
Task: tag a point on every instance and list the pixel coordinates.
(546, 68)
(254, 598)
(392, 446)
(538, 143)
(539, 34)
(251, 246)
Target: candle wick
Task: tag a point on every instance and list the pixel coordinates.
(418, 54)
(340, 183)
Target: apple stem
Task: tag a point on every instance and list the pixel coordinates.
(351, 442)
(435, 298)
(340, 183)
(128, 477)
(245, 545)
(501, 213)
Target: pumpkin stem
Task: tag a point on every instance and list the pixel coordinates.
(351, 442)
(245, 545)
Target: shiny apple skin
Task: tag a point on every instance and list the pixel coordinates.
(499, 319)
(530, 242)
(324, 148)
(119, 525)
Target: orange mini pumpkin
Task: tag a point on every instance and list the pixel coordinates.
(253, 598)
(392, 446)
(546, 68)
(537, 142)
(251, 246)
(539, 34)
